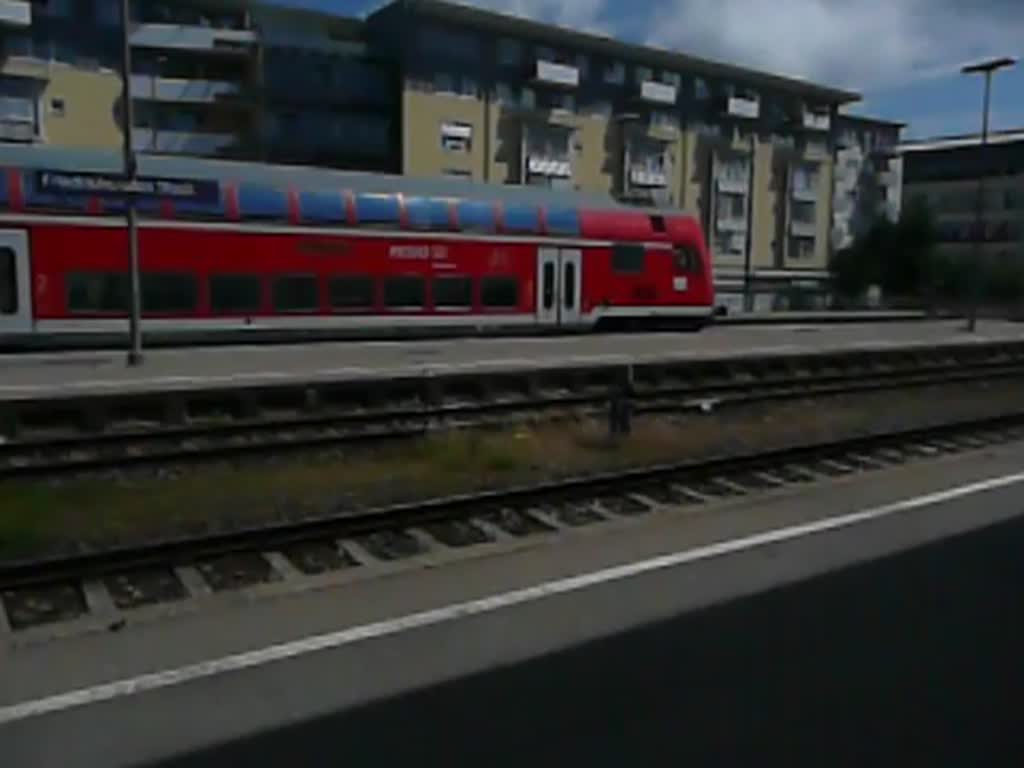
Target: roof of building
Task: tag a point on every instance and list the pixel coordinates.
(868, 120)
(501, 22)
(958, 142)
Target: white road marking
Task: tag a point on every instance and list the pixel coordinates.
(283, 651)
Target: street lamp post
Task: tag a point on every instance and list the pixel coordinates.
(131, 173)
(985, 68)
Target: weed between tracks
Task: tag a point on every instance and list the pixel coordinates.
(74, 515)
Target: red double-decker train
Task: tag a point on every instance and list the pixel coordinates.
(232, 249)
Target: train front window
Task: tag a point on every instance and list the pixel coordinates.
(231, 294)
(169, 292)
(97, 292)
(628, 259)
(8, 283)
(685, 260)
(296, 293)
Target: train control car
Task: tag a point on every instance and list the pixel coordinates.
(230, 249)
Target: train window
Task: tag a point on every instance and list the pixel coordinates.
(169, 292)
(351, 292)
(499, 292)
(549, 285)
(569, 290)
(8, 283)
(453, 292)
(658, 223)
(89, 292)
(236, 293)
(296, 293)
(628, 259)
(404, 292)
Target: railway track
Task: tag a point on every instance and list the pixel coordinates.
(234, 432)
(110, 585)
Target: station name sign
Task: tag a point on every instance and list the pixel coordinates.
(58, 182)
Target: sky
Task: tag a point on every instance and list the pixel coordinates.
(904, 56)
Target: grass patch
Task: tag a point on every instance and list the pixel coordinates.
(45, 518)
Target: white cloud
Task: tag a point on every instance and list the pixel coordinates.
(861, 44)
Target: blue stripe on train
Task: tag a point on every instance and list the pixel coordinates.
(478, 217)
(377, 209)
(256, 201)
(322, 207)
(427, 213)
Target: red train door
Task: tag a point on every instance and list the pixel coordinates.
(559, 284)
(15, 283)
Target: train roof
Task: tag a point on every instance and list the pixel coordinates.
(299, 177)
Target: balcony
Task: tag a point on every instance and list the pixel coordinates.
(17, 131)
(658, 93)
(552, 73)
(817, 121)
(640, 176)
(177, 142)
(15, 13)
(805, 194)
(731, 184)
(182, 90)
(539, 165)
(801, 228)
(186, 37)
(743, 107)
(731, 224)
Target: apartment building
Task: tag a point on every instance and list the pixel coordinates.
(868, 176)
(505, 100)
(944, 174)
(213, 78)
(433, 88)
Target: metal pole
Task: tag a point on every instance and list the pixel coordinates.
(131, 172)
(748, 237)
(979, 222)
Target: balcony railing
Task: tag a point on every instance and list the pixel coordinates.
(553, 73)
(647, 177)
(801, 228)
(731, 224)
(16, 131)
(180, 89)
(739, 106)
(539, 165)
(817, 121)
(15, 13)
(178, 142)
(193, 38)
(658, 93)
(806, 194)
(733, 184)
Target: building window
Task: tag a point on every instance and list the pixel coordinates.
(499, 292)
(448, 44)
(235, 294)
(732, 206)
(295, 293)
(57, 107)
(456, 137)
(628, 259)
(672, 78)
(444, 83)
(404, 292)
(108, 13)
(583, 65)
(565, 102)
(642, 75)
(528, 99)
(504, 94)
(351, 292)
(510, 52)
(615, 73)
(805, 179)
(8, 282)
(804, 212)
(169, 292)
(700, 89)
(801, 248)
(453, 292)
(469, 87)
(663, 119)
(545, 54)
(97, 292)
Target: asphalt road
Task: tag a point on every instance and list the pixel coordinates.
(76, 373)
